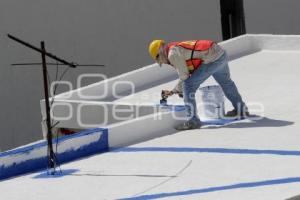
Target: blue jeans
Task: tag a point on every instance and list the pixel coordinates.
(220, 71)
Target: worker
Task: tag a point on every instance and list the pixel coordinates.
(195, 61)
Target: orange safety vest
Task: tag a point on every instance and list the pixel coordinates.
(194, 45)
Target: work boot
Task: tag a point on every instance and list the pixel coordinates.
(188, 125)
(240, 114)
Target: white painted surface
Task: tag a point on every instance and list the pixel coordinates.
(104, 90)
(144, 128)
(268, 77)
(94, 114)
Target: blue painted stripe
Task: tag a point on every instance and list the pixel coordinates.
(206, 150)
(218, 188)
(219, 121)
(39, 163)
(170, 107)
(44, 143)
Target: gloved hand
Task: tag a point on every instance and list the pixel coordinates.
(166, 93)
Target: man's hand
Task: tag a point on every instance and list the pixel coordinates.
(166, 93)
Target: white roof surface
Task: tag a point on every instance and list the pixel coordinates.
(246, 160)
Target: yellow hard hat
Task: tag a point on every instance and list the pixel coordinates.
(154, 48)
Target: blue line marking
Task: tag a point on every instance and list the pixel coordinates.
(219, 121)
(218, 188)
(205, 150)
(175, 108)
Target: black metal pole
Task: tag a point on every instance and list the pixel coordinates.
(44, 53)
(51, 156)
(232, 18)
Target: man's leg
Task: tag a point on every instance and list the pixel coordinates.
(222, 76)
(191, 84)
(190, 87)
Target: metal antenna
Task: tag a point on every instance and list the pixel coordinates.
(51, 156)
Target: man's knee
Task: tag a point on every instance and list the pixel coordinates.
(189, 88)
(226, 82)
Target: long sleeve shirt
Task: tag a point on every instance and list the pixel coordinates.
(177, 56)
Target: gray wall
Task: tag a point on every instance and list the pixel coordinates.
(111, 32)
(272, 16)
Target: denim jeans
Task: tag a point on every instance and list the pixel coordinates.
(220, 71)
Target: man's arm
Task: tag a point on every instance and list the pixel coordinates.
(178, 87)
(176, 90)
(177, 60)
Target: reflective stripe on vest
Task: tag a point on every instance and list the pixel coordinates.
(193, 45)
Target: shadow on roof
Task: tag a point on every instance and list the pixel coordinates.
(262, 122)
